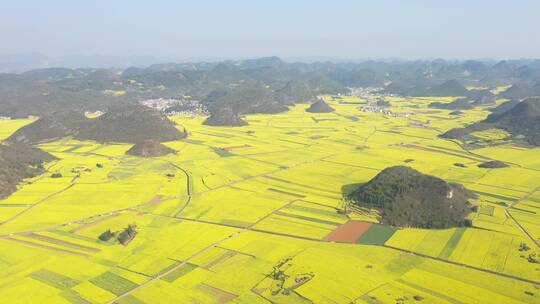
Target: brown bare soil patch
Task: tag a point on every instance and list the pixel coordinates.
(348, 232)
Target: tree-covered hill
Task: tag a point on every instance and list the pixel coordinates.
(408, 198)
(17, 162)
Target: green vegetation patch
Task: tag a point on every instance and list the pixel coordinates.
(222, 152)
(180, 272)
(505, 198)
(113, 283)
(54, 279)
(451, 244)
(193, 141)
(369, 299)
(307, 218)
(235, 223)
(486, 210)
(522, 210)
(377, 235)
(430, 292)
(129, 299)
(73, 297)
(78, 237)
(73, 148)
(334, 214)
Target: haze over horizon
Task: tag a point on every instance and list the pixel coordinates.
(183, 31)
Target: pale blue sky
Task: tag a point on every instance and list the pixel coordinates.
(238, 29)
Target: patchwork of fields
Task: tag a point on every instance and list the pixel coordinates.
(254, 214)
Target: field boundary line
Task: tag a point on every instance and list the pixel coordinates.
(50, 248)
(510, 216)
(172, 269)
(508, 276)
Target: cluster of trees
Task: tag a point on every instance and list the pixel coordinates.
(123, 237)
(408, 198)
(17, 162)
(123, 123)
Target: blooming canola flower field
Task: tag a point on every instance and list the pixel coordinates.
(242, 215)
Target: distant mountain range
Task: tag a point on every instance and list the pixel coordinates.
(18, 63)
(518, 118)
(263, 85)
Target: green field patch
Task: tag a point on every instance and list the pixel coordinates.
(219, 295)
(452, 243)
(408, 135)
(79, 237)
(486, 210)
(286, 193)
(329, 213)
(129, 299)
(227, 255)
(294, 142)
(235, 223)
(529, 205)
(495, 196)
(307, 218)
(62, 243)
(222, 135)
(460, 152)
(73, 148)
(351, 117)
(73, 297)
(113, 283)
(522, 210)
(193, 141)
(276, 179)
(15, 205)
(369, 299)
(376, 235)
(445, 152)
(179, 272)
(54, 279)
(429, 291)
(222, 152)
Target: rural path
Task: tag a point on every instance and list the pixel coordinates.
(176, 267)
(189, 195)
(38, 203)
(250, 228)
(516, 222)
(195, 255)
(186, 196)
(247, 178)
(463, 265)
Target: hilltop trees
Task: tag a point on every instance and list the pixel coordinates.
(407, 198)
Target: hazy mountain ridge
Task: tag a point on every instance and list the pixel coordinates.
(43, 91)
